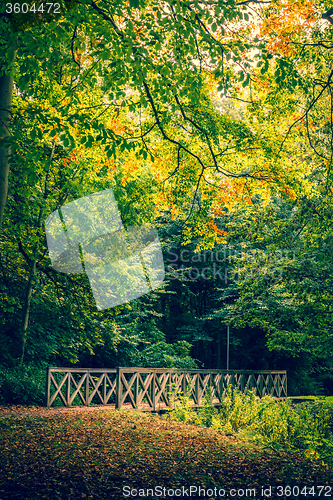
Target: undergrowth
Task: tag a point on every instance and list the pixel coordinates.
(25, 385)
(303, 428)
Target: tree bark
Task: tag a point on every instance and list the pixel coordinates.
(28, 295)
(26, 308)
(6, 93)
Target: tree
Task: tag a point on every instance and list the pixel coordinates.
(6, 91)
(163, 61)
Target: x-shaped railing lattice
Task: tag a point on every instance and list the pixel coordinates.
(152, 388)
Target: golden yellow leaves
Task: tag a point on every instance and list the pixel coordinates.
(207, 233)
(233, 193)
(174, 212)
(116, 125)
(130, 168)
(284, 21)
(218, 231)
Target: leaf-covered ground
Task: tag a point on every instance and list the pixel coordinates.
(93, 453)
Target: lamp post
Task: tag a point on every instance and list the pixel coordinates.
(228, 347)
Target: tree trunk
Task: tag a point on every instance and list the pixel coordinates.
(6, 93)
(28, 295)
(26, 308)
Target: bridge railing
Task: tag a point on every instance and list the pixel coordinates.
(85, 385)
(151, 388)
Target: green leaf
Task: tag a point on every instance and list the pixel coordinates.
(89, 141)
(246, 82)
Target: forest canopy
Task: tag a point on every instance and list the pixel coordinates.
(211, 122)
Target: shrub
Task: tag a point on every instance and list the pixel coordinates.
(181, 409)
(207, 412)
(24, 385)
(305, 428)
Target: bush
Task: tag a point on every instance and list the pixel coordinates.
(305, 428)
(24, 385)
(182, 410)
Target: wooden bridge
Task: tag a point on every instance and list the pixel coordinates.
(149, 389)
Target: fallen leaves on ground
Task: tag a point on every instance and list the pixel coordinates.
(93, 454)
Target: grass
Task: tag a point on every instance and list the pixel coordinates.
(95, 454)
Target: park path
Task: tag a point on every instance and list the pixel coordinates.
(43, 411)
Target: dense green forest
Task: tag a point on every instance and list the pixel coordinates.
(212, 123)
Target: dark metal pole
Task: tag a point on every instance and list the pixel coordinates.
(228, 347)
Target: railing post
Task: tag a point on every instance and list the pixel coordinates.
(197, 388)
(184, 383)
(68, 389)
(136, 390)
(232, 382)
(119, 388)
(169, 393)
(48, 387)
(221, 386)
(104, 388)
(150, 386)
(259, 385)
(280, 385)
(242, 385)
(154, 390)
(87, 388)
